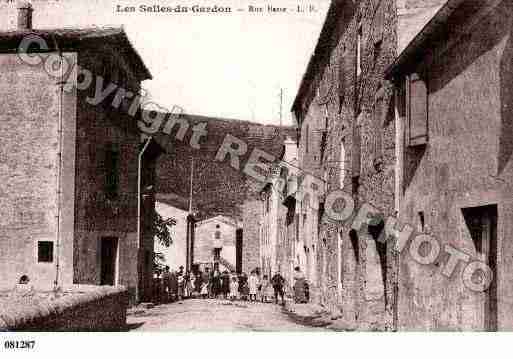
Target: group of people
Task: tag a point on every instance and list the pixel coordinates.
(171, 285)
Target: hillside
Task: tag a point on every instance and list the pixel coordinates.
(218, 188)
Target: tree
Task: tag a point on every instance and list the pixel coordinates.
(163, 237)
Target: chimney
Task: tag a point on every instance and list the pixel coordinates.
(25, 16)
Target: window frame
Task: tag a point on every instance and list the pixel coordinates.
(51, 255)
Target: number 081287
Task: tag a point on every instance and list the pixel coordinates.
(19, 344)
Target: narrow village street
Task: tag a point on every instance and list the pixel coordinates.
(214, 315)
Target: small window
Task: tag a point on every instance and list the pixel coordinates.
(422, 222)
(217, 235)
(45, 252)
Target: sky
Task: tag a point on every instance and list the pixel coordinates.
(230, 65)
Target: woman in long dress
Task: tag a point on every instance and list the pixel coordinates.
(299, 286)
(253, 283)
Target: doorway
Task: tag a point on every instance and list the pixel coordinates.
(482, 226)
(238, 250)
(108, 262)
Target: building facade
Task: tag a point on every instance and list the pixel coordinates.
(278, 219)
(216, 242)
(454, 96)
(344, 108)
(69, 174)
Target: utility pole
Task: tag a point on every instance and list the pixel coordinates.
(190, 186)
(189, 256)
(281, 106)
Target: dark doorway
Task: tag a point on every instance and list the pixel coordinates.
(109, 249)
(482, 225)
(238, 250)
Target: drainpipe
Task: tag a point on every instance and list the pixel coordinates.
(59, 170)
(139, 185)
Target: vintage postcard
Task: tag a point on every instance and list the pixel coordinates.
(320, 166)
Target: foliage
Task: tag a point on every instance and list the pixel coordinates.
(163, 237)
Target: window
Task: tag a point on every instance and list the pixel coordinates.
(306, 138)
(45, 252)
(359, 50)
(416, 110)
(111, 172)
(422, 222)
(342, 164)
(217, 235)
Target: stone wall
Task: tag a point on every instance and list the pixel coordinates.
(29, 172)
(82, 308)
(251, 214)
(355, 275)
(100, 128)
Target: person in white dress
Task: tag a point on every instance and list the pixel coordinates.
(234, 288)
(253, 283)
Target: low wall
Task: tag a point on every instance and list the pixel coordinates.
(81, 308)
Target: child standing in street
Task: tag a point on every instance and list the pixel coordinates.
(234, 288)
(204, 290)
(266, 288)
(253, 286)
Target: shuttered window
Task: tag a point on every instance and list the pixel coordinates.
(417, 105)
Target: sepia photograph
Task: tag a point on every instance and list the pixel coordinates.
(291, 166)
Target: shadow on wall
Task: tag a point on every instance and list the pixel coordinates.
(506, 93)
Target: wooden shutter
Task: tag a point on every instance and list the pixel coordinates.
(418, 110)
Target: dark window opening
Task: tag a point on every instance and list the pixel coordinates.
(421, 222)
(481, 223)
(45, 252)
(377, 50)
(320, 212)
(353, 237)
(217, 254)
(109, 248)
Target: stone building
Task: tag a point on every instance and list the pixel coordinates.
(455, 139)
(218, 242)
(344, 109)
(69, 169)
(277, 217)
